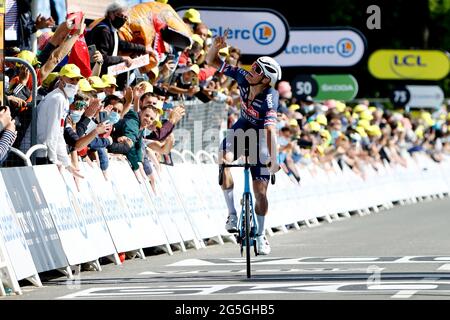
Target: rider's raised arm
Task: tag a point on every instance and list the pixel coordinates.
(212, 58)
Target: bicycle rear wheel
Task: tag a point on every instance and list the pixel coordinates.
(247, 233)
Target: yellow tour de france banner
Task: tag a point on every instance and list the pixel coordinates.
(409, 64)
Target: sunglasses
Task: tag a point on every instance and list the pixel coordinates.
(80, 105)
(258, 70)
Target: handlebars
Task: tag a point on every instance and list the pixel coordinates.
(243, 165)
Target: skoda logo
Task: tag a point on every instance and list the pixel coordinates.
(345, 47)
(264, 33)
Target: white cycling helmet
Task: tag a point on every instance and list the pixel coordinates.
(270, 68)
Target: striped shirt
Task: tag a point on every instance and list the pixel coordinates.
(11, 20)
(6, 141)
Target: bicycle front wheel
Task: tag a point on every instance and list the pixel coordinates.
(247, 233)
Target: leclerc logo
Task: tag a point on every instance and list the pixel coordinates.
(345, 48)
(256, 32)
(264, 33)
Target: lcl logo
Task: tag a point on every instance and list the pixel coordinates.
(409, 60)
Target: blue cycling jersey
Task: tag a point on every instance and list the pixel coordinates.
(262, 111)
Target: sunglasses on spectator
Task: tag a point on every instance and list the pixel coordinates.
(79, 105)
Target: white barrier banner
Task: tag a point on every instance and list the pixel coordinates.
(114, 208)
(13, 238)
(126, 184)
(90, 217)
(77, 244)
(183, 175)
(174, 212)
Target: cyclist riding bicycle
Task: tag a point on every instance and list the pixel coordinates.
(258, 119)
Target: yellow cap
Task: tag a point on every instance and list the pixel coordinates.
(29, 57)
(70, 71)
(366, 115)
(361, 131)
(85, 86)
(147, 86)
(340, 106)
(419, 132)
(326, 134)
(195, 68)
(359, 108)
(373, 131)
(209, 33)
(294, 107)
(293, 123)
(50, 78)
(314, 126)
(97, 83)
(321, 119)
(321, 150)
(162, 1)
(372, 109)
(159, 106)
(110, 80)
(364, 123)
(225, 51)
(196, 38)
(158, 124)
(193, 16)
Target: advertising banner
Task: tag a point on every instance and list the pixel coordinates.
(415, 96)
(409, 64)
(12, 236)
(78, 247)
(35, 218)
(254, 31)
(323, 87)
(323, 48)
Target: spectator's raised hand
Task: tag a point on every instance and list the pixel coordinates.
(11, 126)
(42, 22)
(93, 108)
(16, 102)
(5, 117)
(193, 90)
(98, 57)
(128, 61)
(128, 95)
(101, 128)
(176, 114)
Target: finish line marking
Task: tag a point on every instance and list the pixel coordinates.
(313, 260)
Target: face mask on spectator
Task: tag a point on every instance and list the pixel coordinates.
(101, 96)
(282, 141)
(281, 124)
(118, 22)
(335, 134)
(146, 132)
(114, 117)
(308, 109)
(76, 116)
(70, 90)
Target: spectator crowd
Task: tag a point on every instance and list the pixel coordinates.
(84, 113)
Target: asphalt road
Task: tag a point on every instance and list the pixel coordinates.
(402, 253)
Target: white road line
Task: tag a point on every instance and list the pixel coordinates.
(404, 294)
(299, 261)
(444, 267)
(350, 259)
